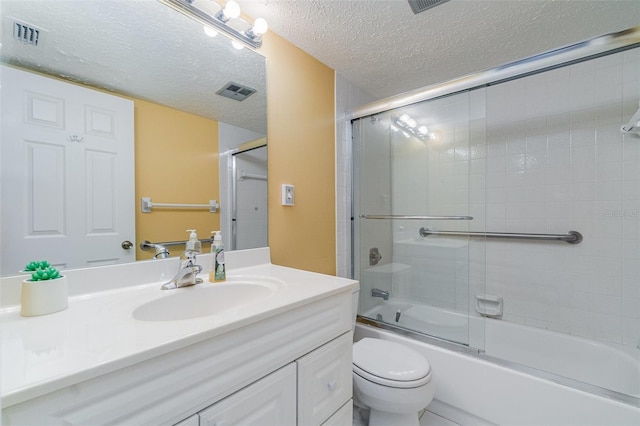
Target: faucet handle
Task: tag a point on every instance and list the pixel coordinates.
(189, 258)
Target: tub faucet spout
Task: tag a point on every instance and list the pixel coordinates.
(376, 292)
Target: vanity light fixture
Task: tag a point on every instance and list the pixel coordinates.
(409, 126)
(220, 21)
(231, 10)
(210, 31)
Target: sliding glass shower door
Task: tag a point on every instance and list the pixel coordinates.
(412, 176)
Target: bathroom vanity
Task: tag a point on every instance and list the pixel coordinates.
(276, 351)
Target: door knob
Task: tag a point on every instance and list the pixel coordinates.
(127, 244)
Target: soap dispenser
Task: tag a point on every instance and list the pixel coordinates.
(217, 272)
(194, 243)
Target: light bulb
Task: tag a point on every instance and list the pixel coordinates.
(260, 26)
(412, 123)
(423, 130)
(231, 9)
(237, 45)
(404, 118)
(209, 31)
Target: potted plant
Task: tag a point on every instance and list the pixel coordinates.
(45, 292)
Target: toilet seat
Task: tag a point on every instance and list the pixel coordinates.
(390, 364)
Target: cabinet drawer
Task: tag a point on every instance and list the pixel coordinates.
(324, 380)
(342, 417)
(271, 401)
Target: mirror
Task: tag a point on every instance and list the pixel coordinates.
(143, 50)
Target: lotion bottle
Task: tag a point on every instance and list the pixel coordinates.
(194, 243)
(217, 272)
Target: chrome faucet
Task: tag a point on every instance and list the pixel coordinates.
(376, 292)
(187, 272)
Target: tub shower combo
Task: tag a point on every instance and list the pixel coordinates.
(498, 215)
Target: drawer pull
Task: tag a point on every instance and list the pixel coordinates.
(332, 385)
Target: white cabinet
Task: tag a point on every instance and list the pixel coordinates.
(227, 375)
(312, 391)
(269, 401)
(324, 380)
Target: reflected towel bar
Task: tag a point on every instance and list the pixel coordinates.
(410, 217)
(147, 205)
(244, 175)
(572, 237)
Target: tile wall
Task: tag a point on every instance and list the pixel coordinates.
(556, 161)
(540, 154)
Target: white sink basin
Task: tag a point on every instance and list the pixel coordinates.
(207, 299)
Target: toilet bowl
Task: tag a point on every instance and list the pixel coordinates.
(392, 381)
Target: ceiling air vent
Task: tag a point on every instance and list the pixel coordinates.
(27, 34)
(236, 91)
(421, 5)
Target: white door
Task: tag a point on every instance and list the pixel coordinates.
(67, 174)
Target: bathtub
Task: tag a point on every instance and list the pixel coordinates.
(539, 352)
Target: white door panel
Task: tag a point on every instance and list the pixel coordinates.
(67, 173)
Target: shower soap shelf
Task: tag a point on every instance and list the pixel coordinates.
(489, 306)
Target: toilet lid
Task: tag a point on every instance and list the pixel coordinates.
(383, 361)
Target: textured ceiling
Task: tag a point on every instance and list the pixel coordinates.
(140, 48)
(145, 49)
(385, 49)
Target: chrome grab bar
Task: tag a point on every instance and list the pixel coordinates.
(572, 237)
(147, 245)
(412, 217)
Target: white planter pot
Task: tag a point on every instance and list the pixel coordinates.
(44, 297)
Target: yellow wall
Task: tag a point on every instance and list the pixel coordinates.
(301, 146)
(176, 161)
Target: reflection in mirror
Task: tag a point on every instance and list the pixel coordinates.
(169, 71)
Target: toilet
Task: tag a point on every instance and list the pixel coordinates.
(392, 380)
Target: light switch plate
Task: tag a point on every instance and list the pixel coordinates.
(287, 194)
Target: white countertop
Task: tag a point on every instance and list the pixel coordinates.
(97, 334)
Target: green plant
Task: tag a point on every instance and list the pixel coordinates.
(41, 270)
(35, 265)
(48, 273)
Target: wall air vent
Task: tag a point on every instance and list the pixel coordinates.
(25, 33)
(421, 5)
(236, 91)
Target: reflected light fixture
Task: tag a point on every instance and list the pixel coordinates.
(409, 126)
(210, 31)
(219, 22)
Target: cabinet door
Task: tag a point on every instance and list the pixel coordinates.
(271, 401)
(324, 380)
